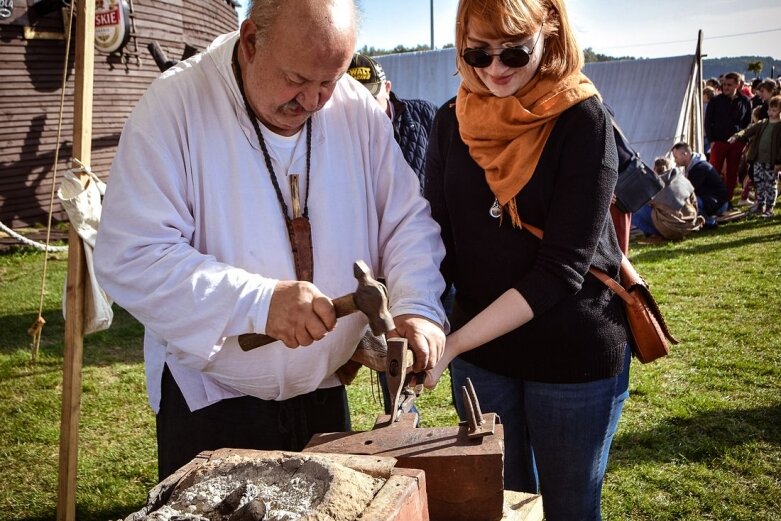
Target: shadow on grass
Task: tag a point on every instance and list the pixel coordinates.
(121, 343)
(118, 512)
(652, 254)
(702, 437)
(14, 370)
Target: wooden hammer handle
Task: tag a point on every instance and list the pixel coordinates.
(250, 341)
(343, 306)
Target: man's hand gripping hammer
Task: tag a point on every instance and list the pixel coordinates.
(371, 298)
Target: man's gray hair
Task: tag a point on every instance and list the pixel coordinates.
(263, 13)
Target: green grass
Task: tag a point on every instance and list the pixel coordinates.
(700, 437)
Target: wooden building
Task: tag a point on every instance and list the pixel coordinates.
(32, 51)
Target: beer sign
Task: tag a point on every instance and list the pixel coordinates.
(112, 31)
(6, 9)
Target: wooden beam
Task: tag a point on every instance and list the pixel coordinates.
(74, 305)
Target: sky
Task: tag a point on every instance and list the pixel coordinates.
(638, 28)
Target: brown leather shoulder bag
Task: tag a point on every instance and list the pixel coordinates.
(651, 338)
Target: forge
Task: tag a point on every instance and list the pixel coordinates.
(252, 485)
(395, 472)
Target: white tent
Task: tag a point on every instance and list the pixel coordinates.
(657, 102)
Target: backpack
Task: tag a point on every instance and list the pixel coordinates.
(637, 182)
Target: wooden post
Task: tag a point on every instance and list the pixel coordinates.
(74, 305)
(699, 141)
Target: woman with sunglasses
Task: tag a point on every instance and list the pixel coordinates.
(527, 141)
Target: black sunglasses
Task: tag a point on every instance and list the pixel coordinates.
(514, 57)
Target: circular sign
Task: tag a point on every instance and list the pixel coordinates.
(6, 9)
(112, 31)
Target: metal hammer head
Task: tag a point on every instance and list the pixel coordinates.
(371, 298)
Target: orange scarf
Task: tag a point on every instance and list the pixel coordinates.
(506, 136)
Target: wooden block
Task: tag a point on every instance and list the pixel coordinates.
(520, 506)
(402, 498)
(464, 476)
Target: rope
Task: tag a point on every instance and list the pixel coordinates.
(30, 242)
(37, 327)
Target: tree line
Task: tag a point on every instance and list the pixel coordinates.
(589, 53)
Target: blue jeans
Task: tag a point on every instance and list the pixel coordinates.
(710, 220)
(557, 436)
(642, 220)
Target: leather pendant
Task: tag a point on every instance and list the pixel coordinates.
(300, 233)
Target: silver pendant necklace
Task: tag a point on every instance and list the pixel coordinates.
(496, 210)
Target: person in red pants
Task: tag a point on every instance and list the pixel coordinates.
(727, 113)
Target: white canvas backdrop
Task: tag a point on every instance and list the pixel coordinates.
(655, 101)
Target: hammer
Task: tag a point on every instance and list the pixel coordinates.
(370, 297)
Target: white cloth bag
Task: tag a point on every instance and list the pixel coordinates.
(83, 205)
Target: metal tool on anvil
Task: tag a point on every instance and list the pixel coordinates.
(463, 465)
(404, 386)
(370, 297)
(477, 423)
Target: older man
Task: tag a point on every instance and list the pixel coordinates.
(247, 181)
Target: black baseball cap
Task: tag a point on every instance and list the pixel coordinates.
(367, 71)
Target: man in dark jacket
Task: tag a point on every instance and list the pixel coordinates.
(712, 199)
(727, 113)
(412, 118)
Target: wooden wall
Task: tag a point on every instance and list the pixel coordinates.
(31, 72)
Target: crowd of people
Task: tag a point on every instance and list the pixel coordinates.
(742, 148)
(734, 106)
(249, 178)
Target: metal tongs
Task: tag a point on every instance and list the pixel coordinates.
(404, 386)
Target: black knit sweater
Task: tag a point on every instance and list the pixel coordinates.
(579, 332)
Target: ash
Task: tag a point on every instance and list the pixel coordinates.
(290, 489)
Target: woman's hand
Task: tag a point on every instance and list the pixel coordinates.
(451, 351)
(433, 375)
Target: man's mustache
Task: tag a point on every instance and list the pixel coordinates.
(294, 105)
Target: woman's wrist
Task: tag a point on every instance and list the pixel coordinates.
(454, 344)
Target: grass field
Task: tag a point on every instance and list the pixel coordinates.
(700, 437)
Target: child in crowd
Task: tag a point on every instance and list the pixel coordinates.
(746, 168)
(764, 149)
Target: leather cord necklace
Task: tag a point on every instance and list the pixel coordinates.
(298, 228)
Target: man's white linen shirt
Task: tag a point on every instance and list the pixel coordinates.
(192, 240)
